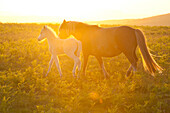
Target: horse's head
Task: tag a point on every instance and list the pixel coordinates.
(43, 33)
(65, 29)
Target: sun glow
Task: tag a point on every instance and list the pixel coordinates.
(78, 10)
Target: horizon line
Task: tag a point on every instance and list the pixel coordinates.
(60, 19)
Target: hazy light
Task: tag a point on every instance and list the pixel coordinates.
(80, 10)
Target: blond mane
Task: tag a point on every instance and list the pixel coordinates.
(52, 31)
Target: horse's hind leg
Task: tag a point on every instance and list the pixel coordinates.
(128, 73)
(133, 60)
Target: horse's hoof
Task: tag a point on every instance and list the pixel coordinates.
(46, 75)
(129, 75)
(107, 76)
(83, 74)
(61, 76)
(74, 75)
(78, 77)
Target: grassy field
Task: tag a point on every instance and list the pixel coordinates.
(24, 89)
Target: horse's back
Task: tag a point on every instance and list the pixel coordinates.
(101, 42)
(125, 38)
(110, 42)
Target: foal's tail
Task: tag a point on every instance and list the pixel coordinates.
(79, 48)
(148, 61)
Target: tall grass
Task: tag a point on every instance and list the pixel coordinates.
(24, 89)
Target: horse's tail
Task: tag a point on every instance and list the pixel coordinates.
(148, 61)
(78, 49)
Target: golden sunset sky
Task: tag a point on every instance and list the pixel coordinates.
(79, 10)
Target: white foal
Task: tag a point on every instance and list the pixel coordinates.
(71, 47)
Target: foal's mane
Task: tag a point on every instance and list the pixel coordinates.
(52, 31)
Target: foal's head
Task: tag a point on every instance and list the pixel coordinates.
(43, 33)
(46, 32)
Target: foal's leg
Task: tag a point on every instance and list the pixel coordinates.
(74, 68)
(50, 65)
(76, 62)
(57, 64)
(79, 65)
(102, 66)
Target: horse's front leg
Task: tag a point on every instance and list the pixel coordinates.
(102, 66)
(129, 72)
(50, 65)
(86, 56)
(57, 64)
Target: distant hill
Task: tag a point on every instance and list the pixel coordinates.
(160, 20)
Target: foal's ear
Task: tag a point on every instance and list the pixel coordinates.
(45, 26)
(64, 21)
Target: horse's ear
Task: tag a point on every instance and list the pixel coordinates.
(64, 21)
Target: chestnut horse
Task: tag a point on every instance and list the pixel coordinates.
(109, 42)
